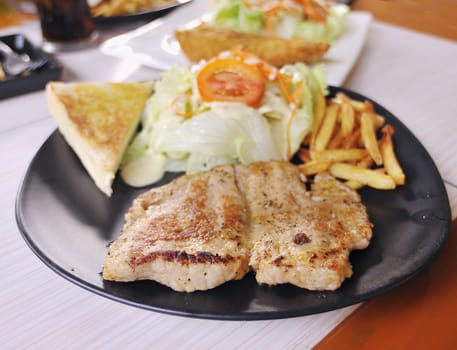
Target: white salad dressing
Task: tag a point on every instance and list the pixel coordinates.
(144, 170)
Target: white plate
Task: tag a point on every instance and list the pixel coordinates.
(154, 46)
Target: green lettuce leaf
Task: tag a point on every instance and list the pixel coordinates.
(235, 16)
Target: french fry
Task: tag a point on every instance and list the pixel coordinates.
(352, 140)
(123, 7)
(366, 162)
(319, 114)
(391, 163)
(355, 185)
(368, 106)
(336, 140)
(326, 130)
(369, 139)
(358, 106)
(340, 155)
(379, 121)
(344, 142)
(368, 177)
(314, 167)
(347, 118)
(340, 97)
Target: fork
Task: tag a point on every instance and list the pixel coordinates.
(35, 65)
(13, 63)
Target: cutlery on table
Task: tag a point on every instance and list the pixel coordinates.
(16, 64)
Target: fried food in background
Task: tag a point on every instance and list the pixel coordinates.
(107, 8)
(277, 31)
(206, 41)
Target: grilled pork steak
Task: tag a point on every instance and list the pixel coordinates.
(298, 236)
(189, 235)
(202, 230)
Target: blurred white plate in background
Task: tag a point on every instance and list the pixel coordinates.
(153, 44)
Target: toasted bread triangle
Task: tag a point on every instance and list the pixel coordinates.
(98, 120)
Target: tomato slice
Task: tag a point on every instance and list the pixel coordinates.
(231, 80)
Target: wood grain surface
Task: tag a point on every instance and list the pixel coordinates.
(437, 17)
(419, 315)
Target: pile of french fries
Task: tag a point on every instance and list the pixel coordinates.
(108, 8)
(344, 143)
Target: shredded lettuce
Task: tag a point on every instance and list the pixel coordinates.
(216, 132)
(234, 15)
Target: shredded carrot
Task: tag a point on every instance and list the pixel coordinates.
(185, 115)
(293, 98)
(298, 93)
(266, 69)
(270, 17)
(290, 118)
(312, 10)
(284, 81)
(251, 4)
(181, 114)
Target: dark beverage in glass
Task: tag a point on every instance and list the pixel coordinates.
(65, 22)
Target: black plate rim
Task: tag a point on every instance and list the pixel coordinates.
(245, 316)
(141, 15)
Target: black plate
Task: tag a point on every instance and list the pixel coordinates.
(35, 80)
(68, 223)
(146, 15)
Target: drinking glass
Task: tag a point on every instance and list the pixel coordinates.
(66, 25)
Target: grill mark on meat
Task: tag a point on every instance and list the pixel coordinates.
(279, 262)
(180, 257)
(301, 238)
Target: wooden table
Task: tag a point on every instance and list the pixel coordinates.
(420, 314)
(437, 17)
(412, 74)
